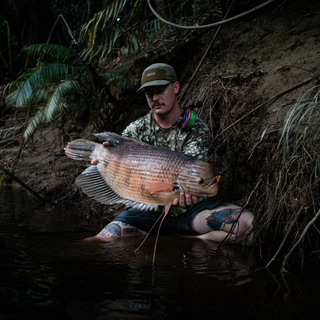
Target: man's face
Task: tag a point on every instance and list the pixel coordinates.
(162, 99)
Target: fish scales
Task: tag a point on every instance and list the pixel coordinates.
(137, 174)
(130, 170)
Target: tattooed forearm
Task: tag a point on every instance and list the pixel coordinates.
(220, 218)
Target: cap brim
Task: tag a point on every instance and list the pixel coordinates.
(154, 83)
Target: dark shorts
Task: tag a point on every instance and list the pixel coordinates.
(144, 220)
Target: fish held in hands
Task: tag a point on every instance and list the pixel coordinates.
(137, 174)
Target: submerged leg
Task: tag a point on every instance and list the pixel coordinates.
(116, 230)
(129, 222)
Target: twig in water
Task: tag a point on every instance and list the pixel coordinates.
(22, 183)
(301, 237)
(286, 236)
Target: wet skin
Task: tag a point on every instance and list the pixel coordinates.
(162, 100)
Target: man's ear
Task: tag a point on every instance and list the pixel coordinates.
(176, 87)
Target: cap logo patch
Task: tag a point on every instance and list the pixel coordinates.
(154, 74)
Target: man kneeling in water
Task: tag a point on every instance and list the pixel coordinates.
(163, 127)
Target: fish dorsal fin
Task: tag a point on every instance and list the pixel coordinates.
(93, 185)
(155, 187)
(114, 139)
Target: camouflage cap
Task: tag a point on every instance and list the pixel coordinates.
(158, 74)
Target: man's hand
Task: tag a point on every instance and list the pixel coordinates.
(96, 161)
(185, 199)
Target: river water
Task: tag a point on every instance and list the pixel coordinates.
(48, 272)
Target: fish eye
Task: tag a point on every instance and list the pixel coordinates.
(176, 187)
(201, 181)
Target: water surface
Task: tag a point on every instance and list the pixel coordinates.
(48, 272)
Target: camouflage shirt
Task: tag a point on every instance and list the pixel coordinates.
(193, 142)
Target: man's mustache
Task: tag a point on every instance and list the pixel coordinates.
(156, 103)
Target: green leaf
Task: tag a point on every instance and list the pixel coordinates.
(55, 103)
(56, 52)
(110, 12)
(36, 79)
(55, 106)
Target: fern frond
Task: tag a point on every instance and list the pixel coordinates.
(55, 103)
(54, 106)
(110, 41)
(21, 96)
(53, 73)
(102, 46)
(56, 52)
(42, 77)
(34, 123)
(40, 95)
(108, 32)
(100, 19)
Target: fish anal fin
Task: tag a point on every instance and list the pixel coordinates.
(155, 187)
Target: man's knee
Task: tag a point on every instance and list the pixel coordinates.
(228, 217)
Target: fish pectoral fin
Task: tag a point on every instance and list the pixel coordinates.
(93, 185)
(155, 187)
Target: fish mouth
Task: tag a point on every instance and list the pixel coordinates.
(211, 187)
(209, 182)
(199, 179)
(204, 188)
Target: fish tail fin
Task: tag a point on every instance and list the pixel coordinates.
(80, 149)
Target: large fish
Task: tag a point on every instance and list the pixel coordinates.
(138, 174)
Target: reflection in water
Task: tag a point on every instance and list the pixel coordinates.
(226, 264)
(48, 272)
